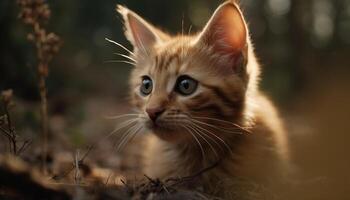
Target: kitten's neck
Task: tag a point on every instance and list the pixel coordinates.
(198, 154)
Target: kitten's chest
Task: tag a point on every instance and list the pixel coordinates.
(164, 161)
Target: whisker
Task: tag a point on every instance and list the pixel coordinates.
(200, 135)
(120, 61)
(217, 137)
(223, 121)
(199, 144)
(189, 30)
(121, 46)
(202, 129)
(123, 116)
(199, 125)
(219, 128)
(125, 56)
(132, 136)
(216, 127)
(233, 130)
(126, 136)
(120, 127)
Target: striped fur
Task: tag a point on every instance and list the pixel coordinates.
(236, 123)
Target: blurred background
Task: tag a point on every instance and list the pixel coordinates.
(303, 46)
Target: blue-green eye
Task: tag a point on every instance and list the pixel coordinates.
(146, 86)
(186, 85)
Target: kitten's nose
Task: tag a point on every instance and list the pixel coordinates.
(154, 113)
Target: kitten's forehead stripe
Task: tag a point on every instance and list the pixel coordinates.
(166, 58)
(156, 62)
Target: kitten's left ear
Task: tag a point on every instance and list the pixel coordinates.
(226, 32)
(142, 35)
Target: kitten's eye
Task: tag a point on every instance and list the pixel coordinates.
(146, 86)
(186, 85)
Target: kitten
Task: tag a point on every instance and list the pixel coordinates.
(198, 95)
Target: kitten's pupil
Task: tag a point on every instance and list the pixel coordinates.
(147, 85)
(185, 84)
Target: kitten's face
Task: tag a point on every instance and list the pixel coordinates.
(185, 84)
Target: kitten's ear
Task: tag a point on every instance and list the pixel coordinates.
(142, 35)
(226, 32)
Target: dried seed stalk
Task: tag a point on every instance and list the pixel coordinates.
(35, 13)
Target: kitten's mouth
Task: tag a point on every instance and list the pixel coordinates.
(159, 127)
(155, 125)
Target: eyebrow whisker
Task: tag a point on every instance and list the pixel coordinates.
(125, 56)
(121, 46)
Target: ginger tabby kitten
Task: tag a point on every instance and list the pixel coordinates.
(198, 95)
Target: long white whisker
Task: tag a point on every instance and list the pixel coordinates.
(199, 144)
(224, 121)
(204, 132)
(123, 116)
(219, 128)
(120, 61)
(126, 135)
(131, 137)
(189, 30)
(121, 46)
(125, 56)
(200, 135)
(217, 137)
(121, 126)
(215, 127)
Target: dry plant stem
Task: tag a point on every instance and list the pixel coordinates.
(42, 75)
(10, 131)
(35, 13)
(13, 137)
(44, 120)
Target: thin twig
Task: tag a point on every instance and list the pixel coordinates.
(10, 133)
(24, 146)
(109, 177)
(178, 181)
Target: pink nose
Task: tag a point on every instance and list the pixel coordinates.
(154, 113)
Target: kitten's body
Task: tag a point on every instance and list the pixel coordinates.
(259, 162)
(236, 125)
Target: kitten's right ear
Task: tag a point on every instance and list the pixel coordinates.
(142, 35)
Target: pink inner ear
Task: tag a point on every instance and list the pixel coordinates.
(227, 30)
(143, 37)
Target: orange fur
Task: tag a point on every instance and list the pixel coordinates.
(227, 118)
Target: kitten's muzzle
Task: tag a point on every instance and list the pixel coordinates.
(154, 113)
